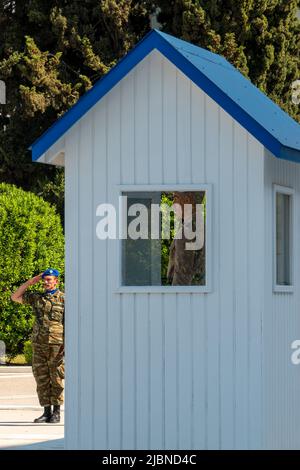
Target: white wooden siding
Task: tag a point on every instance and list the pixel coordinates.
(281, 322)
(157, 371)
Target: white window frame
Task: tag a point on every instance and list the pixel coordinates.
(208, 240)
(290, 192)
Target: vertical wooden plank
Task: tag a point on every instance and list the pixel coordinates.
(185, 370)
(241, 283)
(155, 118)
(85, 292)
(128, 433)
(142, 371)
(114, 326)
(171, 372)
(184, 170)
(256, 286)
(72, 289)
(197, 135)
(212, 311)
(156, 373)
(227, 259)
(169, 123)
(141, 122)
(156, 314)
(268, 415)
(127, 129)
(183, 129)
(128, 326)
(100, 267)
(198, 364)
(198, 304)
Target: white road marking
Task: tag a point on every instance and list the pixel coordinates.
(21, 407)
(12, 397)
(20, 368)
(30, 437)
(15, 376)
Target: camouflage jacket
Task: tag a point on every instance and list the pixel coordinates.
(49, 311)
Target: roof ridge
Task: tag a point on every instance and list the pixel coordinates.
(225, 66)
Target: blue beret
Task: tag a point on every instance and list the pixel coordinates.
(50, 272)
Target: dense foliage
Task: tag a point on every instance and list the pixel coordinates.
(31, 240)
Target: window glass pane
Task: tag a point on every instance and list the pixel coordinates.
(283, 271)
(165, 242)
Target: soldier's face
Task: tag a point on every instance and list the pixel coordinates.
(50, 282)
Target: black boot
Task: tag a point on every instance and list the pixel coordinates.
(55, 418)
(45, 416)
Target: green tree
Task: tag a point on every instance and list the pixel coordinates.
(51, 52)
(260, 37)
(31, 240)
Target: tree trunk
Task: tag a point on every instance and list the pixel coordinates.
(184, 264)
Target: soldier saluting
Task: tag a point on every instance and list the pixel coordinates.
(47, 341)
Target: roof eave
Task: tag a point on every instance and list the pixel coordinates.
(288, 153)
(150, 42)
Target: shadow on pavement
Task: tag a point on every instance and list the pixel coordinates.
(54, 444)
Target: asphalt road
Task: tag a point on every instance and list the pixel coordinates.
(19, 406)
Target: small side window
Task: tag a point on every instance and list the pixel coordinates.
(283, 266)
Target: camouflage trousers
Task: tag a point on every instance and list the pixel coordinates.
(48, 371)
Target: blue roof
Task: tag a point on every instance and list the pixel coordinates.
(257, 113)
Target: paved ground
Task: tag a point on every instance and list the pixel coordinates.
(18, 408)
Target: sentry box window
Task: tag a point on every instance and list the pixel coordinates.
(283, 264)
(165, 240)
